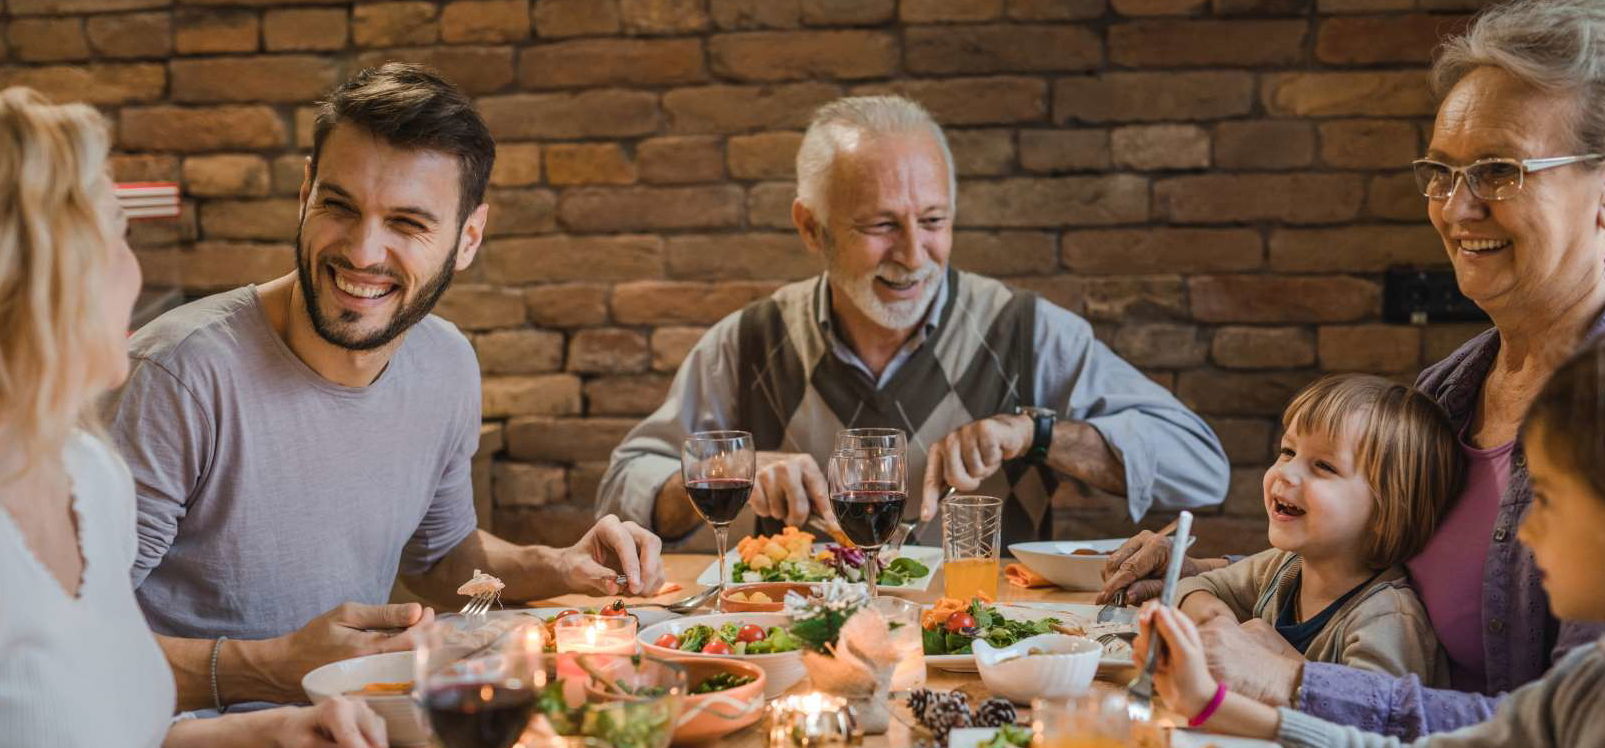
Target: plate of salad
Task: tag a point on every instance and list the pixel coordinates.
(950, 627)
(793, 556)
(763, 639)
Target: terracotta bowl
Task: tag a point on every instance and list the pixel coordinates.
(710, 716)
(775, 590)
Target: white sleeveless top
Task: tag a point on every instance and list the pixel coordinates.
(86, 671)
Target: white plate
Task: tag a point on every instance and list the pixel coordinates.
(1117, 656)
(930, 557)
(1056, 561)
(646, 616)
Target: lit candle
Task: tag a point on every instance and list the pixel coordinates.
(591, 634)
(812, 720)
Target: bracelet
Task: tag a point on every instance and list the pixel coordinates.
(1209, 711)
(217, 696)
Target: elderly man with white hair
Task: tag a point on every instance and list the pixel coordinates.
(999, 391)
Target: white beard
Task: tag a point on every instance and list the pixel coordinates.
(897, 315)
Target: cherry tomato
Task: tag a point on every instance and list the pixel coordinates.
(752, 633)
(960, 620)
(717, 647)
(616, 608)
(668, 641)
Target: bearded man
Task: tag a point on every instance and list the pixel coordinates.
(999, 391)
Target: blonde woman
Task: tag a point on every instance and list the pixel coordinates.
(80, 668)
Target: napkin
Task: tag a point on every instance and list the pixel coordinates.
(1020, 576)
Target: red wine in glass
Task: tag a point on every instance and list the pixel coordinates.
(719, 500)
(479, 715)
(869, 512)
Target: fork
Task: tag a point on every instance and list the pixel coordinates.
(906, 528)
(1140, 692)
(478, 606)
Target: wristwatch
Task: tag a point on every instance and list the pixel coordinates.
(1042, 436)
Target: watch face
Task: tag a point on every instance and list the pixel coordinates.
(1034, 412)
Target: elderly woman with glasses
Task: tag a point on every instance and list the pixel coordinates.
(1514, 178)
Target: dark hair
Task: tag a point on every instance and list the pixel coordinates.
(410, 106)
(1571, 412)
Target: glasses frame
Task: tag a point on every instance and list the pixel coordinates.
(1524, 166)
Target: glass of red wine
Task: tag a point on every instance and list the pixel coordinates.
(718, 468)
(478, 684)
(867, 497)
(892, 439)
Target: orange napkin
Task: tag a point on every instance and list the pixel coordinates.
(1020, 576)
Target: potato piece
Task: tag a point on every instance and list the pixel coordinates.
(759, 563)
(739, 597)
(759, 597)
(776, 551)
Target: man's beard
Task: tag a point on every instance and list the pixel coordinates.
(860, 290)
(340, 331)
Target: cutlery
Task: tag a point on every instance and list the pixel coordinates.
(1116, 611)
(478, 606)
(686, 605)
(1140, 692)
(907, 528)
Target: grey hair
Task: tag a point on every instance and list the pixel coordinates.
(843, 122)
(1552, 45)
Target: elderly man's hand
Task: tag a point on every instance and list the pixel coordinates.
(789, 487)
(1139, 562)
(612, 547)
(971, 454)
(336, 723)
(1238, 657)
(349, 630)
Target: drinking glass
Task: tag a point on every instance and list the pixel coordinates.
(478, 684)
(903, 616)
(1095, 719)
(867, 497)
(893, 439)
(971, 532)
(719, 467)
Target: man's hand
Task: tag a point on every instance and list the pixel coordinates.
(336, 723)
(971, 454)
(1137, 565)
(789, 487)
(349, 630)
(1237, 656)
(611, 544)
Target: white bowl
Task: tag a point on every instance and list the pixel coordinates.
(1058, 562)
(781, 670)
(404, 721)
(1064, 668)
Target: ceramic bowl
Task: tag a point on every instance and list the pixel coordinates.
(1071, 564)
(776, 591)
(404, 721)
(710, 716)
(1064, 666)
(782, 670)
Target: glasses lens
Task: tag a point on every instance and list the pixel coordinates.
(1434, 180)
(1494, 180)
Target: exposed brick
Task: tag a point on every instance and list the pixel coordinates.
(212, 266)
(740, 257)
(1363, 6)
(47, 39)
(790, 55)
(742, 15)
(1160, 250)
(981, 152)
(1064, 290)
(1226, 198)
(143, 167)
(1440, 340)
(635, 395)
(1261, 7)
(58, 7)
(1263, 347)
(564, 18)
(271, 219)
(520, 351)
(492, 439)
(275, 78)
(565, 439)
(588, 163)
(1057, 201)
(1005, 253)
(226, 176)
(603, 350)
(1357, 248)
(1245, 495)
(1269, 299)
(1247, 440)
(517, 165)
(937, 11)
(592, 114)
(1369, 143)
(682, 302)
(650, 208)
(1239, 393)
(612, 62)
(574, 258)
(520, 484)
(1371, 94)
(1001, 49)
(1377, 39)
(1150, 147)
(567, 305)
(1395, 196)
(1235, 43)
(769, 205)
(663, 16)
(480, 307)
(167, 128)
(476, 70)
(131, 34)
(305, 29)
(199, 31)
(484, 21)
(549, 395)
(732, 109)
(563, 525)
(1139, 97)
(670, 345)
(1161, 345)
(518, 212)
(97, 83)
(1369, 348)
(305, 126)
(845, 12)
(1264, 144)
(678, 160)
(769, 155)
(1133, 297)
(1055, 10)
(1159, 7)
(973, 101)
(394, 24)
(1064, 150)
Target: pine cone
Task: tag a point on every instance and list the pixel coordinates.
(995, 713)
(946, 712)
(918, 700)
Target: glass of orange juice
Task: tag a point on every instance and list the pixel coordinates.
(1094, 719)
(971, 529)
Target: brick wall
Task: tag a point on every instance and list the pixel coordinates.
(1214, 183)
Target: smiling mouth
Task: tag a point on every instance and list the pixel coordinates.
(1286, 509)
(1482, 246)
(899, 286)
(362, 290)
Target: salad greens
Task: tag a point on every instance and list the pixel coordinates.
(831, 563)
(776, 639)
(722, 682)
(989, 625)
(621, 724)
(1009, 736)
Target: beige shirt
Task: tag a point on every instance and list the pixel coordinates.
(1384, 628)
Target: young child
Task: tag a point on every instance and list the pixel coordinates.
(1365, 467)
(1564, 441)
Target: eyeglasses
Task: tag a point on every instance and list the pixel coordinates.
(1489, 178)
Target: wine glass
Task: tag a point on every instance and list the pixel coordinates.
(718, 468)
(867, 497)
(893, 439)
(478, 684)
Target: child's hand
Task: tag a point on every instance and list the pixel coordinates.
(1182, 672)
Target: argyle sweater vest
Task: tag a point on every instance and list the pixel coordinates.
(795, 394)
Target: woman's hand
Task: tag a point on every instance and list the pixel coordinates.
(336, 723)
(1182, 672)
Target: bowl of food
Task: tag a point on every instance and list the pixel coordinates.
(762, 639)
(623, 701)
(762, 597)
(1071, 564)
(383, 682)
(725, 695)
(1048, 666)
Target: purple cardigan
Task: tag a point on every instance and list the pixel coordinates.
(1520, 638)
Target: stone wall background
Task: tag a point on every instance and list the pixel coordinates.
(1216, 184)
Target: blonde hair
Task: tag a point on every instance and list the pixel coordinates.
(53, 258)
(1404, 446)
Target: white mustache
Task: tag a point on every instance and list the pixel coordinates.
(895, 274)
